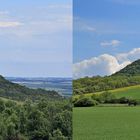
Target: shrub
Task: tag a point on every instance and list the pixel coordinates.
(138, 102)
(105, 97)
(132, 102)
(113, 101)
(85, 102)
(123, 100)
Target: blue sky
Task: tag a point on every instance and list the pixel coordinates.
(36, 38)
(106, 36)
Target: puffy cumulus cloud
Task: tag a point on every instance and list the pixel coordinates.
(131, 55)
(103, 65)
(5, 24)
(112, 43)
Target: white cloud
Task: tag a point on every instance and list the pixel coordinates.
(60, 6)
(44, 21)
(131, 55)
(82, 25)
(5, 24)
(102, 65)
(105, 64)
(89, 28)
(4, 13)
(112, 43)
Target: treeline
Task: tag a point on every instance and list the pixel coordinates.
(41, 120)
(97, 84)
(103, 98)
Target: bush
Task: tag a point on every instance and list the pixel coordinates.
(85, 102)
(138, 102)
(114, 101)
(123, 100)
(105, 97)
(132, 102)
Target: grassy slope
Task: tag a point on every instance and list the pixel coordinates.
(132, 91)
(106, 123)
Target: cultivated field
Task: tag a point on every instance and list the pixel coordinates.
(106, 123)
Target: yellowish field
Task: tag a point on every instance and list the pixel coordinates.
(132, 91)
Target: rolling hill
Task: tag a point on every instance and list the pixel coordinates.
(130, 70)
(129, 76)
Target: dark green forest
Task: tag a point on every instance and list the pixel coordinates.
(128, 76)
(30, 114)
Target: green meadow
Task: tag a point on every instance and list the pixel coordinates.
(106, 123)
(130, 92)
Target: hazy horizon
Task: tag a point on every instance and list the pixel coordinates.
(36, 38)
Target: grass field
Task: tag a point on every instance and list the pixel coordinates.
(106, 123)
(132, 92)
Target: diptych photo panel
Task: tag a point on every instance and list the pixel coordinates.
(36, 70)
(106, 70)
(69, 70)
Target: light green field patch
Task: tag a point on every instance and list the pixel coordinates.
(130, 92)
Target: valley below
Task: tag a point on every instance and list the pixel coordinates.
(61, 85)
(34, 112)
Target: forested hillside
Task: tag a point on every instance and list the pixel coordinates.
(130, 70)
(17, 92)
(128, 76)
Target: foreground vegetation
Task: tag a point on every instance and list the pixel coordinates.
(33, 114)
(40, 120)
(106, 123)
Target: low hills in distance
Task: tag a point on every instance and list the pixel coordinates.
(127, 77)
(21, 93)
